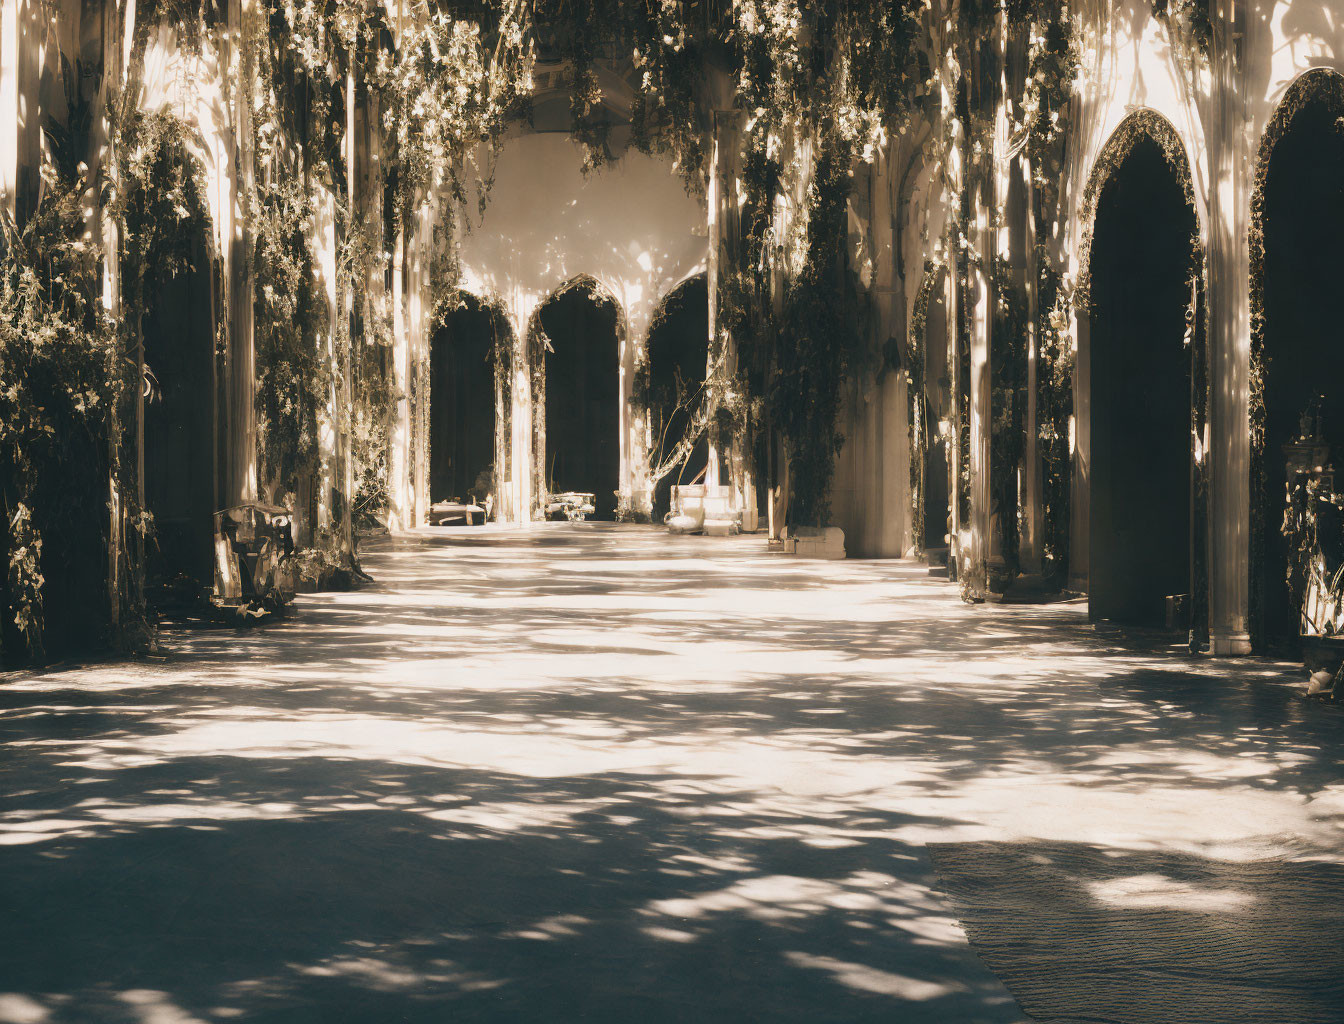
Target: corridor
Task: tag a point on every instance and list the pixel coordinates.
(596, 773)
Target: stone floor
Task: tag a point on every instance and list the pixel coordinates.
(594, 773)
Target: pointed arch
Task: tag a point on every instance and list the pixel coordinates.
(1137, 126)
(674, 419)
(537, 345)
(470, 370)
(1319, 84)
(1148, 126)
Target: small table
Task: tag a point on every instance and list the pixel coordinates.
(444, 513)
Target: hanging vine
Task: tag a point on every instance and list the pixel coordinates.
(917, 403)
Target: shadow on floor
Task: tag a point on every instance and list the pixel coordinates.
(1085, 934)
(310, 890)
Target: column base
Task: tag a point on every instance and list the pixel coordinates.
(1229, 643)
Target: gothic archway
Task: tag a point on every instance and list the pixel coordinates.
(1297, 220)
(180, 485)
(678, 357)
(1143, 373)
(575, 344)
(467, 354)
(172, 290)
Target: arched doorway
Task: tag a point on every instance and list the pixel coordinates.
(678, 354)
(580, 328)
(1297, 268)
(1140, 270)
(462, 362)
(180, 407)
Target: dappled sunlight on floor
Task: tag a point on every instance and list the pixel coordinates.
(596, 772)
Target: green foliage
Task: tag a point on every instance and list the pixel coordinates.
(364, 358)
(1190, 18)
(819, 341)
(1053, 59)
(160, 204)
(1054, 414)
(917, 402)
(959, 372)
(61, 385)
(455, 78)
(1007, 406)
(290, 332)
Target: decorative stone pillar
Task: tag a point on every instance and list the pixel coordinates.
(22, 51)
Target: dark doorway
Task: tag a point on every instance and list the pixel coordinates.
(1139, 533)
(583, 395)
(180, 478)
(462, 403)
(937, 407)
(1303, 307)
(678, 357)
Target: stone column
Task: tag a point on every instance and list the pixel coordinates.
(1032, 513)
(720, 211)
(22, 50)
(890, 525)
(241, 413)
(1229, 304)
(953, 184)
(979, 299)
(420, 311)
(32, 60)
(328, 416)
(632, 431)
(527, 421)
(102, 227)
(399, 436)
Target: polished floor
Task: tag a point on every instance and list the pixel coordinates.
(595, 773)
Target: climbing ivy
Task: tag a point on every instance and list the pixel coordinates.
(291, 324)
(917, 407)
(64, 381)
(1054, 414)
(1007, 409)
(818, 343)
